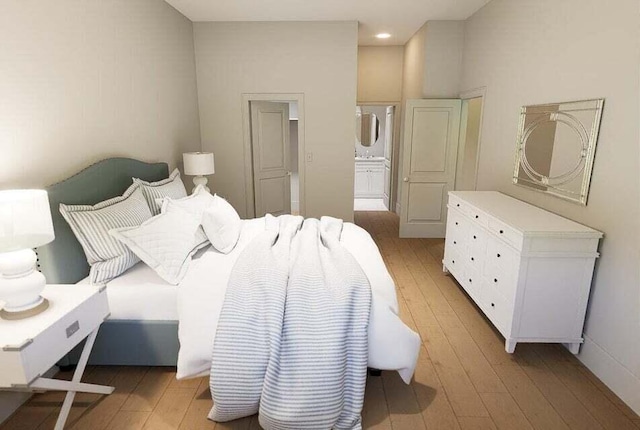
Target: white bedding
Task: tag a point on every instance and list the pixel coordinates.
(140, 294)
(392, 345)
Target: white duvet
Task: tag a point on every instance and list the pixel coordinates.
(392, 345)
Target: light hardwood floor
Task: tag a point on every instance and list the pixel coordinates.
(464, 378)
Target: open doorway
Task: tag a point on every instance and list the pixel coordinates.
(273, 136)
(469, 148)
(373, 157)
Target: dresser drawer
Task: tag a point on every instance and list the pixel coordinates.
(504, 232)
(456, 222)
(500, 255)
(497, 309)
(503, 279)
(34, 356)
(454, 263)
(472, 282)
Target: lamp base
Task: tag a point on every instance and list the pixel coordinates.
(200, 180)
(20, 282)
(10, 315)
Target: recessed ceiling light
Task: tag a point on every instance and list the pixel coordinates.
(383, 35)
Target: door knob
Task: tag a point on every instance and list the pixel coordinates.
(288, 173)
(406, 179)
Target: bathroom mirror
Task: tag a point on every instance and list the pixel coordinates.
(367, 128)
(556, 148)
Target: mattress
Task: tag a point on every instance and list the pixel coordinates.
(392, 345)
(140, 294)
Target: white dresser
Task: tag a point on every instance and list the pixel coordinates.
(528, 270)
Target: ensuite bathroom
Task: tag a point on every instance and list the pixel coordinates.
(373, 151)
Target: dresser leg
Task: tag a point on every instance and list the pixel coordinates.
(573, 348)
(444, 269)
(510, 346)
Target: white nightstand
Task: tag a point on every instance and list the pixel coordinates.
(31, 346)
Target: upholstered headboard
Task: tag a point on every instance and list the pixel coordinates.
(63, 260)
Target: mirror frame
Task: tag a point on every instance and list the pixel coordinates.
(588, 134)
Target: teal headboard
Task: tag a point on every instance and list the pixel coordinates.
(63, 260)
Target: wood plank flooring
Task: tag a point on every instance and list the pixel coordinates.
(464, 379)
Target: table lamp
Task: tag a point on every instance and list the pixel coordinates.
(199, 164)
(25, 223)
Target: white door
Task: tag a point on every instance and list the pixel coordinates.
(388, 140)
(430, 149)
(271, 157)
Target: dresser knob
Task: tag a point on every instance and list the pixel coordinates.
(470, 280)
(498, 255)
(458, 205)
(455, 243)
(453, 261)
(495, 280)
(474, 236)
(456, 222)
(501, 231)
(493, 305)
(472, 259)
(476, 216)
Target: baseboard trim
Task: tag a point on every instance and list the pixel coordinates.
(610, 371)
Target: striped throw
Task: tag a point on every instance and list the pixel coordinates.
(171, 187)
(107, 256)
(291, 342)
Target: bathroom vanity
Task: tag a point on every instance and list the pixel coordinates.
(369, 182)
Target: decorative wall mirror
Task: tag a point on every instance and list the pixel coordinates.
(556, 147)
(367, 128)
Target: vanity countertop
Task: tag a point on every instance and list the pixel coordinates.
(369, 158)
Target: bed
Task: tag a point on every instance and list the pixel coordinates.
(143, 327)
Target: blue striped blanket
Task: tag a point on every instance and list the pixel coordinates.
(291, 342)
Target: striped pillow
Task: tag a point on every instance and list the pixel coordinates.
(107, 256)
(171, 187)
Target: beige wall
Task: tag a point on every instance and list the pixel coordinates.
(572, 50)
(85, 80)
(82, 81)
(317, 59)
(380, 73)
(413, 74)
(443, 60)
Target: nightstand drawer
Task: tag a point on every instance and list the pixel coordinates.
(24, 360)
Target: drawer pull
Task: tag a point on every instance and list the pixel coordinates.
(455, 243)
(474, 236)
(453, 261)
(470, 280)
(473, 259)
(457, 204)
(495, 280)
(493, 305)
(498, 255)
(456, 222)
(501, 231)
(476, 216)
(72, 329)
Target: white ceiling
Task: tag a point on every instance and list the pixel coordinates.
(401, 18)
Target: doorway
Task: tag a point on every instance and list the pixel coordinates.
(469, 148)
(274, 142)
(373, 157)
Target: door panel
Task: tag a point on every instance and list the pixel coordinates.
(430, 149)
(271, 157)
(430, 135)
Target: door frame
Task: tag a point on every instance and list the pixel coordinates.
(395, 157)
(247, 98)
(465, 96)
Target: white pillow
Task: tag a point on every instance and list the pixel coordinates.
(164, 242)
(171, 187)
(194, 204)
(107, 257)
(222, 225)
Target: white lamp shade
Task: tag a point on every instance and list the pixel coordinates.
(198, 163)
(25, 220)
